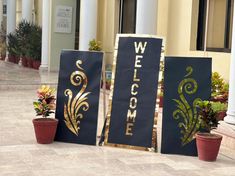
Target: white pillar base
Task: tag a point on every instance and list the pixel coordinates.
(6, 58)
(43, 68)
(20, 62)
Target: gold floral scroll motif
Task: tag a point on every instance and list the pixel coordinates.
(72, 110)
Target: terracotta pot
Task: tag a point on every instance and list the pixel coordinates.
(45, 129)
(221, 99)
(24, 61)
(221, 115)
(2, 57)
(29, 63)
(36, 64)
(208, 146)
(17, 59)
(11, 59)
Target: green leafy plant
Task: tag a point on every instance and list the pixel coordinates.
(95, 45)
(3, 39)
(46, 101)
(218, 106)
(13, 44)
(219, 88)
(29, 36)
(25, 41)
(207, 115)
(217, 83)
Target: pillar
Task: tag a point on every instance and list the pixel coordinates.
(11, 18)
(230, 118)
(146, 17)
(88, 23)
(45, 34)
(27, 6)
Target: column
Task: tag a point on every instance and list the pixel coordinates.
(11, 18)
(27, 6)
(1, 13)
(45, 34)
(230, 118)
(88, 23)
(146, 17)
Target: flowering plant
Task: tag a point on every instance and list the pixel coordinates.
(46, 101)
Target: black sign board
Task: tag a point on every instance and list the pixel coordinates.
(186, 80)
(132, 108)
(78, 96)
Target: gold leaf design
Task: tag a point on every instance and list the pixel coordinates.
(189, 123)
(72, 114)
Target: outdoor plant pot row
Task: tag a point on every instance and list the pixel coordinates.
(31, 63)
(26, 62)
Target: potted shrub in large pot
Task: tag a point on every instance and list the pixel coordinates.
(45, 128)
(208, 144)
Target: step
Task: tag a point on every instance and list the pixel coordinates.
(228, 133)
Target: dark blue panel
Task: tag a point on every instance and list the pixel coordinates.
(186, 79)
(84, 95)
(141, 129)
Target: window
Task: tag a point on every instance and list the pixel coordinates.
(4, 9)
(127, 16)
(219, 28)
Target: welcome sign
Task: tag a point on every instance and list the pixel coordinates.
(134, 91)
(186, 80)
(78, 96)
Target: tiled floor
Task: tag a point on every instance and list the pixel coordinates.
(20, 155)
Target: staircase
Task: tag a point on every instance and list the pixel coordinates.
(228, 141)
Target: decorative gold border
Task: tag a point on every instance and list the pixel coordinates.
(154, 137)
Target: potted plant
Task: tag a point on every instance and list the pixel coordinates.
(13, 47)
(45, 128)
(95, 45)
(219, 88)
(208, 144)
(220, 109)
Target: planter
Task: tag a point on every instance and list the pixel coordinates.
(12, 59)
(36, 64)
(24, 61)
(2, 57)
(17, 59)
(221, 115)
(29, 63)
(45, 129)
(222, 99)
(208, 146)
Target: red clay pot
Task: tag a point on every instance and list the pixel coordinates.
(29, 63)
(45, 129)
(36, 64)
(221, 115)
(11, 59)
(208, 146)
(24, 61)
(17, 59)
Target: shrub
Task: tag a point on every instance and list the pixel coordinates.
(94, 45)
